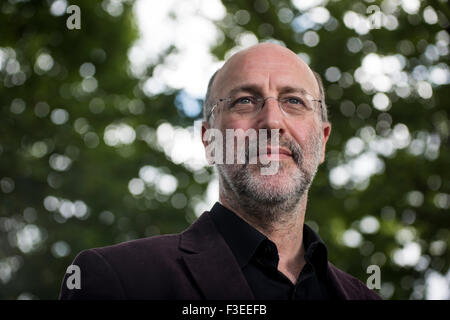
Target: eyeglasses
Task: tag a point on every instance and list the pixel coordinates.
(292, 106)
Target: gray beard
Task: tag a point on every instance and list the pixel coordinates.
(265, 204)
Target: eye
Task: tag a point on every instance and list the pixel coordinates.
(244, 100)
(294, 100)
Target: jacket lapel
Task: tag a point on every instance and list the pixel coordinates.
(211, 262)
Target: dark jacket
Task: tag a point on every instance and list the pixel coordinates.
(195, 264)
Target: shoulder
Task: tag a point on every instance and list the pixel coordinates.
(164, 244)
(350, 287)
(135, 256)
(113, 272)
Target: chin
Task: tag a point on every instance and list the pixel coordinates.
(285, 170)
(279, 186)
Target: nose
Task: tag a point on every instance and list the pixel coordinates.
(271, 116)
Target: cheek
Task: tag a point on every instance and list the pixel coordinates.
(303, 132)
(229, 123)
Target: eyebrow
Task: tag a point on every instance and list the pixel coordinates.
(255, 89)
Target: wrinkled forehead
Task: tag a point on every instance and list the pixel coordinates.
(267, 68)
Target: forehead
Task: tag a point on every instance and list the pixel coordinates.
(268, 68)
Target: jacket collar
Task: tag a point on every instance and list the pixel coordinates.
(211, 262)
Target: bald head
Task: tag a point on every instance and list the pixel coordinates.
(261, 59)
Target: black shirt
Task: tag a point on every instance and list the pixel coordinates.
(258, 258)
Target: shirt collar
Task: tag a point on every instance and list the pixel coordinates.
(244, 240)
(316, 251)
(241, 237)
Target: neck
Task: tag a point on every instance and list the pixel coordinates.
(286, 231)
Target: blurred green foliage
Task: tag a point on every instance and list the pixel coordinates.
(63, 189)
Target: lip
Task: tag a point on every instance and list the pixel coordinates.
(281, 151)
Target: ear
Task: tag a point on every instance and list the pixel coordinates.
(206, 142)
(205, 126)
(326, 130)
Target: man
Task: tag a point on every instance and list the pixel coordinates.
(253, 244)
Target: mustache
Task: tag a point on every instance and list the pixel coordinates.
(294, 148)
(284, 142)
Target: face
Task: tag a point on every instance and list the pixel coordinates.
(268, 70)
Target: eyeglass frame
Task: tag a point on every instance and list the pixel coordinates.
(262, 106)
